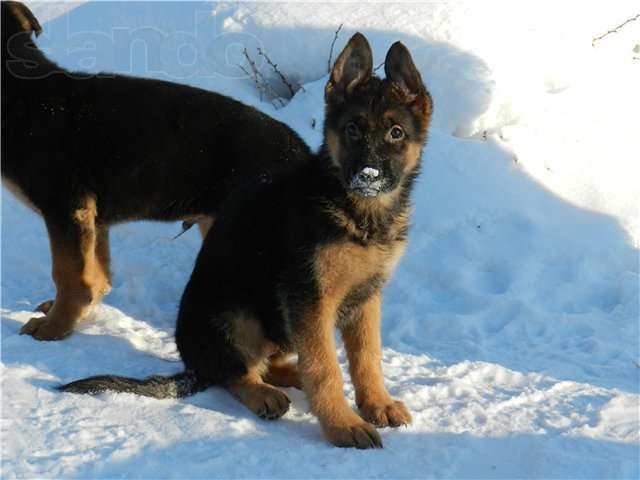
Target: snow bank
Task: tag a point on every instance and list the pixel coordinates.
(511, 325)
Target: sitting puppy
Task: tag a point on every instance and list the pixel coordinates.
(87, 152)
(287, 262)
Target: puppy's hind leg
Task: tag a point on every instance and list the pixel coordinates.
(78, 273)
(282, 372)
(263, 399)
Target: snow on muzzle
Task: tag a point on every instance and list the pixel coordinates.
(367, 182)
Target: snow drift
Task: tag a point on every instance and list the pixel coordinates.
(511, 325)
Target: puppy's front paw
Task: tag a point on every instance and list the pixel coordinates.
(359, 434)
(388, 413)
(44, 328)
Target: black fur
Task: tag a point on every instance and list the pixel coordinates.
(257, 259)
(145, 149)
(176, 386)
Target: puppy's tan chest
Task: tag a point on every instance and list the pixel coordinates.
(342, 266)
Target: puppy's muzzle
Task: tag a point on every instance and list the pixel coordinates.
(367, 182)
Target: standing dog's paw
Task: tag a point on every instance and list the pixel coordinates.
(42, 328)
(391, 413)
(358, 435)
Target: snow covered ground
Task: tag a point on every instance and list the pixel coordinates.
(511, 326)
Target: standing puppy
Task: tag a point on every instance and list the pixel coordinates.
(287, 263)
(89, 151)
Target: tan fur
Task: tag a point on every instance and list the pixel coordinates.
(412, 157)
(341, 266)
(363, 344)
(205, 225)
(338, 268)
(204, 222)
(372, 207)
(282, 371)
(80, 273)
(261, 398)
(262, 356)
(247, 336)
(322, 379)
(371, 210)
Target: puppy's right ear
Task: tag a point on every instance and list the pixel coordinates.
(26, 21)
(353, 67)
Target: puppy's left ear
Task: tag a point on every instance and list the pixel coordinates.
(400, 69)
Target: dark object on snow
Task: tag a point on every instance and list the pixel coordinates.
(289, 260)
(176, 386)
(87, 151)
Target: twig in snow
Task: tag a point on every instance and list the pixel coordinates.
(283, 79)
(185, 226)
(255, 79)
(261, 83)
(628, 20)
(333, 42)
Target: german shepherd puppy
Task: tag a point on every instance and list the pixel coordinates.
(88, 151)
(288, 262)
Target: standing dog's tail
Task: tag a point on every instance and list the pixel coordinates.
(177, 386)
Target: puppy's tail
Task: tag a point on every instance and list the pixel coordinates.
(176, 386)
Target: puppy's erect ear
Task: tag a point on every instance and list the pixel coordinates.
(26, 20)
(401, 70)
(353, 67)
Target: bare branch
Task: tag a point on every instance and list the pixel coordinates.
(628, 20)
(185, 226)
(261, 83)
(283, 79)
(333, 42)
(378, 67)
(254, 73)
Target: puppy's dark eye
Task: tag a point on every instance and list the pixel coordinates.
(353, 131)
(396, 133)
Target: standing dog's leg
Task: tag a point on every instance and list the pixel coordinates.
(104, 259)
(322, 382)
(362, 342)
(80, 271)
